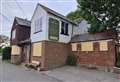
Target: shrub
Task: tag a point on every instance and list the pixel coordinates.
(6, 53)
(72, 60)
(0, 50)
(118, 60)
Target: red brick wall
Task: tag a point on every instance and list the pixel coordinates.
(54, 54)
(97, 57)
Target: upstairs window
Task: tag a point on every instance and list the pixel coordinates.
(38, 25)
(53, 29)
(64, 28)
(13, 34)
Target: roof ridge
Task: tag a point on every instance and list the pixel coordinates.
(56, 13)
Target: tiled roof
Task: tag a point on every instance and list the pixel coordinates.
(93, 37)
(23, 22)
(56, 14)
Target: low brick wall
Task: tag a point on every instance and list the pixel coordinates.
(97, 57)
(15, 59)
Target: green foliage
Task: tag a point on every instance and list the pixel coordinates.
(101, 14)
(118, 60)
(0, 50)
(72, 60)
(74, 15)
(6, 53)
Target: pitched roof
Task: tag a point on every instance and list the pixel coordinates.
(23, 22)
(94, 37)
(56, 14)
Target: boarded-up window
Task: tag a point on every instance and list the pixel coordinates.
(37, 49)
(53, 29)
(16, 50)
(103, 45)
(74, 46)
(86, 46)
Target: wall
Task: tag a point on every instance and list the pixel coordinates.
(54, 54)
(16, 55)
(97, 57)
(22, 33)
(39, 12)
(40, 36)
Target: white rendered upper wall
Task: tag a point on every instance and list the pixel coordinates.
(43, 35)
(38, 13)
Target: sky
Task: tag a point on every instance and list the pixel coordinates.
(25, 8)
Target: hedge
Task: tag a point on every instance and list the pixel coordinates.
(71, 60)
(118, 60)
(6, 53)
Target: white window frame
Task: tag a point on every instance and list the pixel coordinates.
(64, 28)
(38, 25)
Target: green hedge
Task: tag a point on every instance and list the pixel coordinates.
(6, 53)
(0, 51)
(72, 60)
(118, 60)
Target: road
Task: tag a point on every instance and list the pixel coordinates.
(16, 73)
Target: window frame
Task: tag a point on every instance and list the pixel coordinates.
(64, 28)
(14, 34)
(38, 23)
(49, 28)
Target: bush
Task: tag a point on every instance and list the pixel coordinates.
(72, 60)
(118, 60)
(0, 50)
(6, 53)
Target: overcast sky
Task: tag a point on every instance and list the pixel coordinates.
(25, 8)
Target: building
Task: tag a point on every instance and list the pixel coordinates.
(81, 28)
(97, 49)
(50, 34)
(20, 40)
(50, 37)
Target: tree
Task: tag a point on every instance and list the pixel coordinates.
(101, 14)
(74, 15)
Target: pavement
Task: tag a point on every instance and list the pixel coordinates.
(15, 73)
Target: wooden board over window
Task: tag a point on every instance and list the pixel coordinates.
(74, 46)
(37, 49)
(103, 45)
(86, 46)
(16, 50)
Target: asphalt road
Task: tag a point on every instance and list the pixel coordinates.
(15, 73)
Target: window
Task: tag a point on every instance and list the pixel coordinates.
(13, 34)
(37, 49)
(15, 50)
(103, 45)
(38, 25)
(64, 28)
(74, 46)
(53, 29)
(87, 46)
